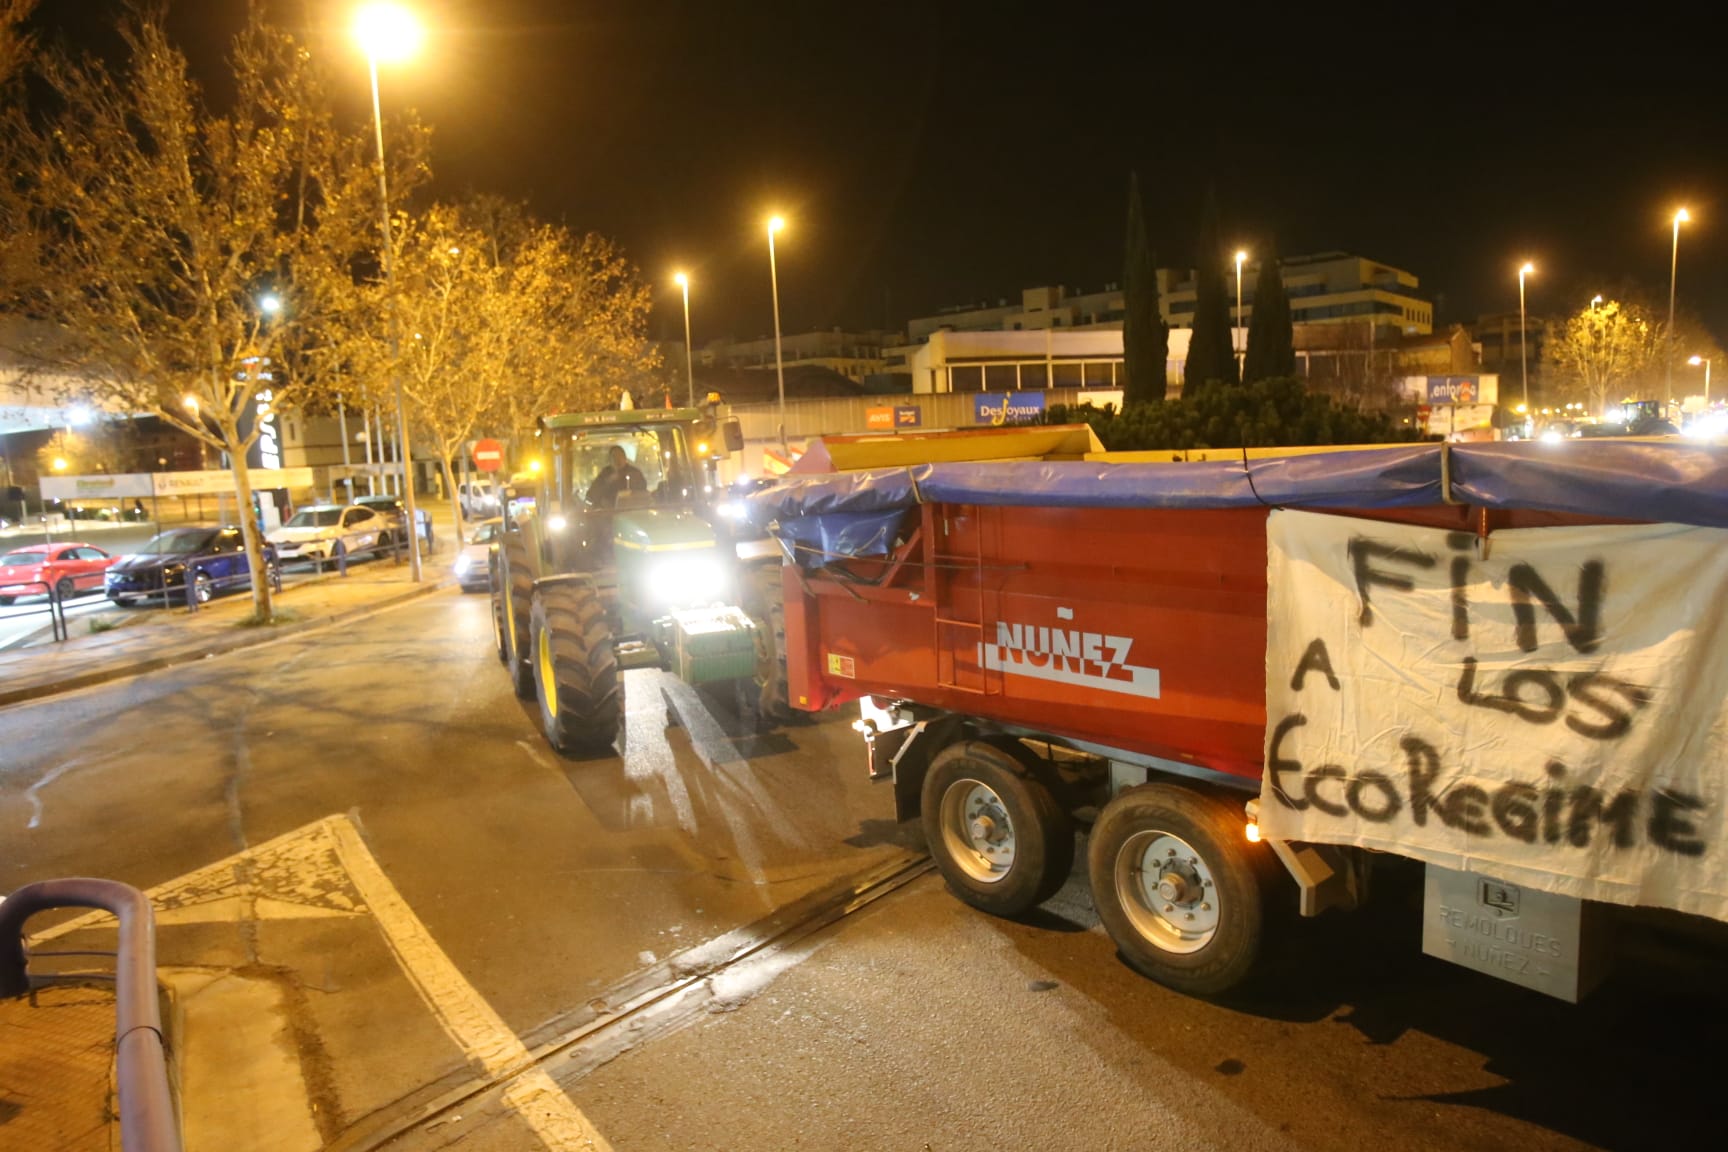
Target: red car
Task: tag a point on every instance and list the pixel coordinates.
(69, 568)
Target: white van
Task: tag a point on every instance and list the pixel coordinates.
(478, 498)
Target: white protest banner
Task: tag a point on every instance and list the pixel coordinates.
(1548, 706)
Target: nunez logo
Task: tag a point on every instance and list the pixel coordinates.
(1068, 656)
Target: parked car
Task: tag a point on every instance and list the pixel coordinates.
(477, 498)
(473, 562)
(69, 568)
(393, 510)
(213, 557)
(312, 533)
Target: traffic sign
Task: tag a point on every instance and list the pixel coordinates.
(488, 455)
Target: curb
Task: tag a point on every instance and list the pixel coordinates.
(241, 639)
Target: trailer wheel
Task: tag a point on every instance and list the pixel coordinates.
(1001, 840)
(516, 591)
(575, 668)
(766, 604)
(1177, 888)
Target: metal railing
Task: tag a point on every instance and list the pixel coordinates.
(56, 607)
(147, 1122)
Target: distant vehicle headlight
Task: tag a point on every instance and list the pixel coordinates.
(733, 509)
(1552, 435)
(463, 563)
(557, 523)
(687, 580)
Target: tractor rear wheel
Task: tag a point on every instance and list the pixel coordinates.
(575, 668)
(516, 592)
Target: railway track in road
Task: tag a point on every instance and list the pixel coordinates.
(716, 976)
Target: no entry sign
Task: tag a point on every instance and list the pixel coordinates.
(488, 455)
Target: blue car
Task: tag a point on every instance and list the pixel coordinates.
(214, 557)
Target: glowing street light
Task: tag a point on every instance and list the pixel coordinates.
(59, 463)
(1680, 217)
(1236, 333)
(1528, 269)
(391, 33)
(683, 282)
(775, 224)
(1704, 360)
(270, 304)
(388, 32)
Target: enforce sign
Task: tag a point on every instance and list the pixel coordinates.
(488, 455)
(1548, 706)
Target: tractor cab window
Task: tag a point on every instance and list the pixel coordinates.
(622, 467)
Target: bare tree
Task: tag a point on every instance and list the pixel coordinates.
(458, 323)
(587, 313)
(1602, 350)
(156, 226)
(15, 46)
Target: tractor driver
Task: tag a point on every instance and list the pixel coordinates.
(618, 476)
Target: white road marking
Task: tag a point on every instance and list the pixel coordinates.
(326, 869)
(459, 1008)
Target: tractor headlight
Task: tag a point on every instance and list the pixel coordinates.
(687, 580)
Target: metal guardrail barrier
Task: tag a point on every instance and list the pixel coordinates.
(56, 607)
(147, 1121)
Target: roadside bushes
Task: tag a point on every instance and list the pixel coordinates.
(1272, 413)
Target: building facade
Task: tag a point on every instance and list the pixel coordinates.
(1325, 288)
(854, 355)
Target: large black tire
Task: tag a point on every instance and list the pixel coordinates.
(765, 602)
(517, 591)
(498, 638)
(575, 669)
(996, 833)
(1179, 887)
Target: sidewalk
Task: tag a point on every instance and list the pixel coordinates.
(154, 638)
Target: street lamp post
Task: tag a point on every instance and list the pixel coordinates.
(1704, 360)
(1236, 331)
(774, 225)
(1523, 346)
(683, 282)
(1680, 217)
(390, 32)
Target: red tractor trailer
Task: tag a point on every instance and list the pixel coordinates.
(1505, 661)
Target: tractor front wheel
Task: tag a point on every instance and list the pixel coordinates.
(575, 669)
(516, 590)
(765, 603)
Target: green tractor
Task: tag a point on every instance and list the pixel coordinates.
(623, 561)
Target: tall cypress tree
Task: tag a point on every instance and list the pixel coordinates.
(1145, 336)
(1210, 356)
(1271, 345)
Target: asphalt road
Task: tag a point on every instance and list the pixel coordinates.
(360, 830)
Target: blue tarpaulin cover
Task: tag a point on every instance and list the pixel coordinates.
(1668, 481)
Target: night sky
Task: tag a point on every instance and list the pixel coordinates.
(938, 153)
